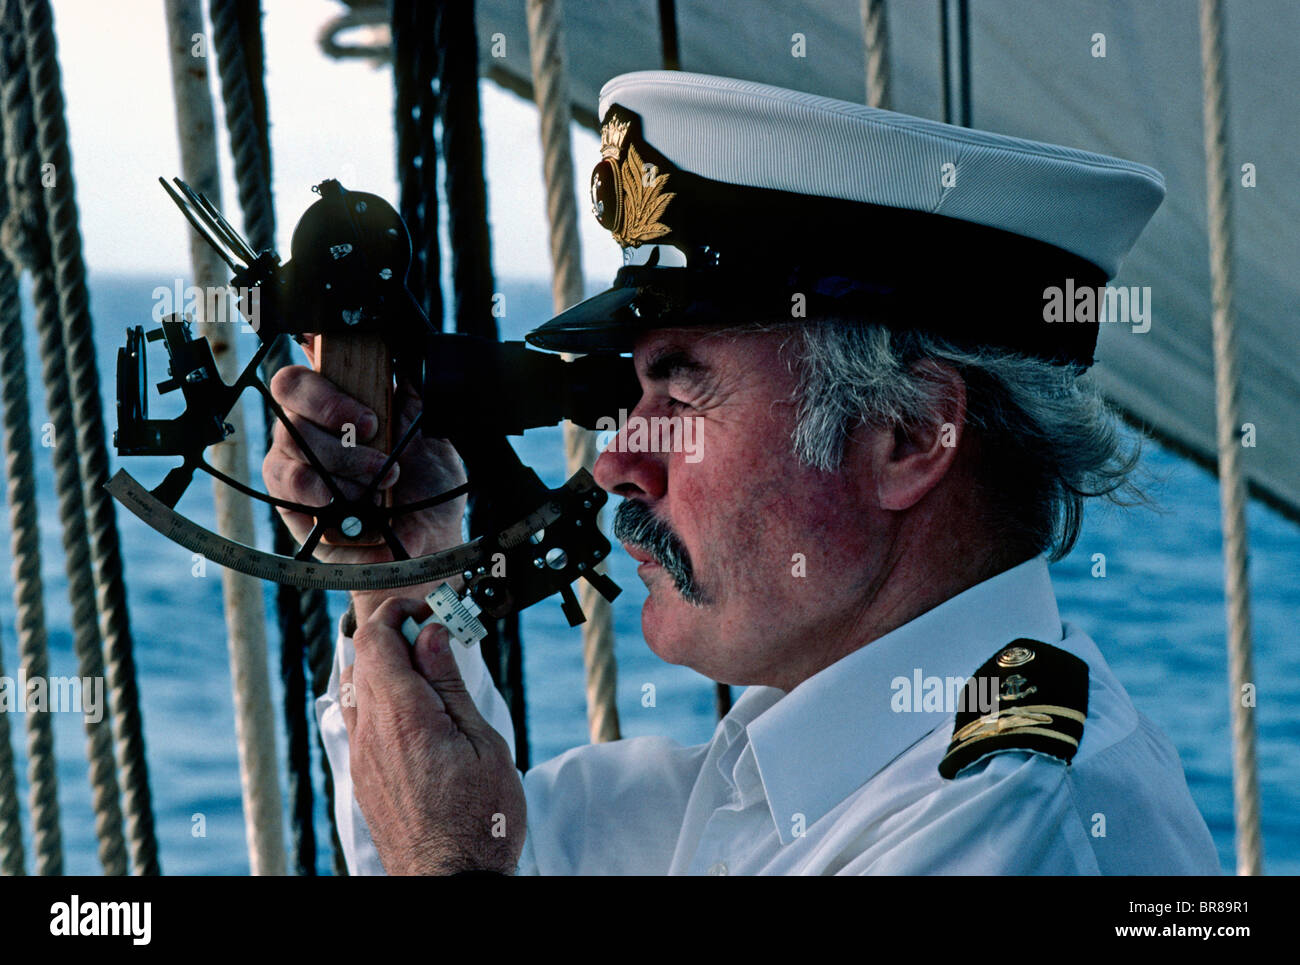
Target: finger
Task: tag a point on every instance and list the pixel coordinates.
(383, 672)
(295, 481)
(309, 394)
(381, 649)
(300, 525)
(428, 645)
(437, 664)
(298, 482)
(338, 453)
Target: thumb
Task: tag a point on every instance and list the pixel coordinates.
(437, 664)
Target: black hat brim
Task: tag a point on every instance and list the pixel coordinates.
(597, 324)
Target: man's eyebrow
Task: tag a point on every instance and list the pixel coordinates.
(669, 362)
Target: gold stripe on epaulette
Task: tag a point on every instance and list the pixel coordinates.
(1040, 731)
(1056, 709)
(1003, 721)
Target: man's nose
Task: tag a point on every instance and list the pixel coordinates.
(626, 473)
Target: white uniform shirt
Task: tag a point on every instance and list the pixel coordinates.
(833, 778)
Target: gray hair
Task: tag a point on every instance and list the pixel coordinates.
(1047, 438)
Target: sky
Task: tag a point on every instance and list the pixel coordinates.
(328, 119)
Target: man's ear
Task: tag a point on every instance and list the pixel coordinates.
(909, 462)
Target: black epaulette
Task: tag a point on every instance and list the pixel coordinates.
(1042, 702)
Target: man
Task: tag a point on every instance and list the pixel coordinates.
(890, 439)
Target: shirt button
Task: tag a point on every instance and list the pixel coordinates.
(718, 868)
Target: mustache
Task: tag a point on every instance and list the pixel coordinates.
(635, 524)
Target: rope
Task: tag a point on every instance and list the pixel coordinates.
(875, 35)
(302, 833)
(11, 829)
(669, 54)
(245, 616)
(63, 364)
(1232, 490)
(671, 60)
(236, 31)
(550, 85)
(318, 634)
(405, 45)
(954, 31)
(252, 166)
(69, 269)
(471, 274)
(22, 497)
(415, 108)
(415, 67)
(462, 149)
(25, 549)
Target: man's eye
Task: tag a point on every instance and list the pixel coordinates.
(677, 403)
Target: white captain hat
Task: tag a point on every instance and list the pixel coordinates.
(733, 201)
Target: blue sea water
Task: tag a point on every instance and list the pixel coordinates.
(1158, 615)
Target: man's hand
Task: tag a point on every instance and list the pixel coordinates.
(435, 782)
(322, 414)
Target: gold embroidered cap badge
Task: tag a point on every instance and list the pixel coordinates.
(627, 195)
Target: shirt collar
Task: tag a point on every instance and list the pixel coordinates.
(838, 728)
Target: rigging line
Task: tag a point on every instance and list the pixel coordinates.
(456, 47)
(25, 536)
(25, 246)
(105, 644)
(875, 38)
(238, 41)
(954, 32)
(1232, 489)
(244, 605)
(550, 86)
